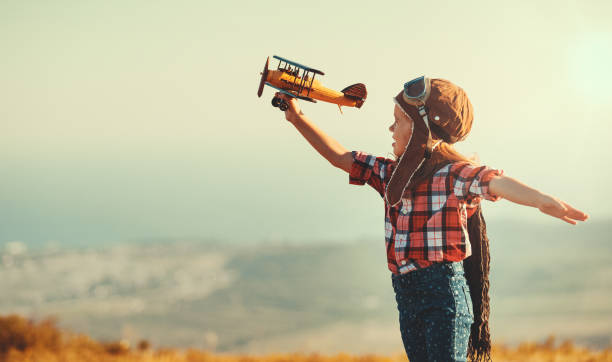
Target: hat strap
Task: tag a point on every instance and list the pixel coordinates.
(423, 113)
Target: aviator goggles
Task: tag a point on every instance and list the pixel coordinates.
(416, 93)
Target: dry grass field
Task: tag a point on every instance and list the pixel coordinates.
(23, 340)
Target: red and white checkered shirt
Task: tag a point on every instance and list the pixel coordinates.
(430, 226)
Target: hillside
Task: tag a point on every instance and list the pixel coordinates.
(23, 340)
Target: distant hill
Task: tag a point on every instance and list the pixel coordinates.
(318, 296)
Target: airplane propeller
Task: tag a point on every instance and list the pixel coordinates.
(264, 77)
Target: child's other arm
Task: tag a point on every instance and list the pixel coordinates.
(324, 144)
(520, 193)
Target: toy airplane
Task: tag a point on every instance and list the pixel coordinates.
(298, 82)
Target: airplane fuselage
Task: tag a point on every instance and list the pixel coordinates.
(288, 81)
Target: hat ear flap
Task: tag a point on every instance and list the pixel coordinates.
(412, 158)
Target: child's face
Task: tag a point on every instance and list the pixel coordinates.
(402, 130)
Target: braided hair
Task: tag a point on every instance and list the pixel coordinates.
(476, 269)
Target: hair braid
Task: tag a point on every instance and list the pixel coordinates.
(477, 275)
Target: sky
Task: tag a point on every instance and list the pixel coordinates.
(137, 120)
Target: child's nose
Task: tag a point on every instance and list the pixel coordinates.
(391, 127)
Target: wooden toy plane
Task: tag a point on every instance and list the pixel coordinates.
(297, 81)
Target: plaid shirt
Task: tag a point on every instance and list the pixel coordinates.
(430, 226)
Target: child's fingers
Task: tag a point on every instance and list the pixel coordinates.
(568, 220)
(563, 211)
(285, 97)
(575, 213)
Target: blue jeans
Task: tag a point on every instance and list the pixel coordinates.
(435, 312)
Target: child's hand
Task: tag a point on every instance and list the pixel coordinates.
(516, 191)
(293, 112)
(554, 207)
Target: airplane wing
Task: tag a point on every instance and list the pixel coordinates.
(299, 65)
(293, 95)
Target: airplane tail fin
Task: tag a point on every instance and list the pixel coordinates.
(357, 92)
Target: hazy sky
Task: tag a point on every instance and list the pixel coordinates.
(126, 120)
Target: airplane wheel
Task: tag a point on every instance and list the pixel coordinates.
(283, 106)
(276, 101)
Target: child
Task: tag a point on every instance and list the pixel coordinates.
(437, 248)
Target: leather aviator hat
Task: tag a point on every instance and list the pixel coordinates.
(440, 111)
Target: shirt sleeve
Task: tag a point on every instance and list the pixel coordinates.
(375, 171)
(471, 182)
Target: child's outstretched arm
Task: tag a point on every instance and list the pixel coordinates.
(324, 144)
(520, 193)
